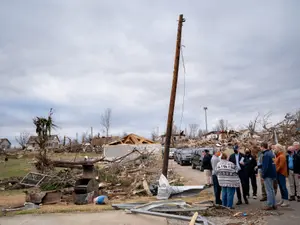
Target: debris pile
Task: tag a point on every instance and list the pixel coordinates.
(131, 176)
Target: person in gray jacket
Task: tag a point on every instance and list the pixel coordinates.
(217, 188)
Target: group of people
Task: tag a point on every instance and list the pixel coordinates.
(230, 174)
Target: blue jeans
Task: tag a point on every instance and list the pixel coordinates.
(227, 196)
(217, 190)
(282, 186)
(270, 191)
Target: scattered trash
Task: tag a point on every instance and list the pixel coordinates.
(26, 206)
(101, 200)
(43, 197)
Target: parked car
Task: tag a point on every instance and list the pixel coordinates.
(185, 156)
(197, 157)
(176, 153)
(171, 152)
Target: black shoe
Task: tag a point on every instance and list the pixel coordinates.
(239, 202)
(263, 199)
(298, 198)
(292, 198)
(246, 201)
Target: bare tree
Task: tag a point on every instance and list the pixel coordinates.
(252, 126)
(154, 135)
(193, 130)
(175, 129)
(106, 120)
(265, 122)
(222, 125)
(22, 139)
(201, 133)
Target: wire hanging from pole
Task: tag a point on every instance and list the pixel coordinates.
(183, 96)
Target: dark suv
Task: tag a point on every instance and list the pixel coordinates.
(184, 156)
(197, 157)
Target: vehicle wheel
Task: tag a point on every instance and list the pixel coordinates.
(181, 163)
(201, 169)
(193, 166)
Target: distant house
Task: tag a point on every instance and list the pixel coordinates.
(53, 142)
(175, 137)
(4, 143)
(221, 135)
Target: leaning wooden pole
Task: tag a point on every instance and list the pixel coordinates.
(172, 98)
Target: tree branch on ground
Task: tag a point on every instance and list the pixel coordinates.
(22, 139)
(106, 120)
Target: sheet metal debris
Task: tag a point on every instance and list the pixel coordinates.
(165, 191)
(27, 206)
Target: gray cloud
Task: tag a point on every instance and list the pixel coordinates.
(82, 57)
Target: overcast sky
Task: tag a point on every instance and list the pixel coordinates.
(80, 57)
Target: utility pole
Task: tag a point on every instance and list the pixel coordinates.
(92, 132)
(172, 98)
(205, 110)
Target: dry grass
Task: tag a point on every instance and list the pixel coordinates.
(18, 199)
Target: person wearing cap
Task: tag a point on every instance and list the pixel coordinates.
(296, 164)
(237, 159)
(206, 165)
(217, 188)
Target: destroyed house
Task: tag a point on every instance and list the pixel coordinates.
(4, 144)
(53, 142)
(175, 137)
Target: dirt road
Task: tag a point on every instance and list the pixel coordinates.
(191, 177)
(107, 218)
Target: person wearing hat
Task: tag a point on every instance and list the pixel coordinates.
(206, 165)
(237, 159)
(296, 165)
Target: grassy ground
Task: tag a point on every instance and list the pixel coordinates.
(20, 167)
(15, 168)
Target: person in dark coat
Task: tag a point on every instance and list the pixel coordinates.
(237, 159)
(250, 164)
(206, 165)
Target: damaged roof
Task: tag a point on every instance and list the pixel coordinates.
(132, 139)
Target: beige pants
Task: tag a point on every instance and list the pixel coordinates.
(208, 176)
(294, 183)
